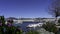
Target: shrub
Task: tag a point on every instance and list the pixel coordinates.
(59, 21)
(50, 27)
(9, 28)
(32, 32)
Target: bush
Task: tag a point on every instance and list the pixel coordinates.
(59, 21)
(50, 27)
(32, 32)
(8, 28)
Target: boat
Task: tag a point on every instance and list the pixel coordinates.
(35, 25)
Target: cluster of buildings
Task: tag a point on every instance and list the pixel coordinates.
(41, 20)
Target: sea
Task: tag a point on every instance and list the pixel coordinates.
(24, 25)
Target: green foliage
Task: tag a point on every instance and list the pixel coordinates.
(9, 28)
(59, 21)
(18, 30)
(50, 27)
(2, 20)
(32, 32)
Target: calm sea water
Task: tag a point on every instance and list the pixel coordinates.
(24, 24)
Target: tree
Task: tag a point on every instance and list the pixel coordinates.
(2, 24)
(8, 28)
(55, 9)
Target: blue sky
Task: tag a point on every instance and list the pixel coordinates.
(24, 8)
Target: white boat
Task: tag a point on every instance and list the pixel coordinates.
(35, 25)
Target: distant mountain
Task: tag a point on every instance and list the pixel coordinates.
(25, 18)
(12, 18)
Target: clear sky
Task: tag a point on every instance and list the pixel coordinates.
(24, 8)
